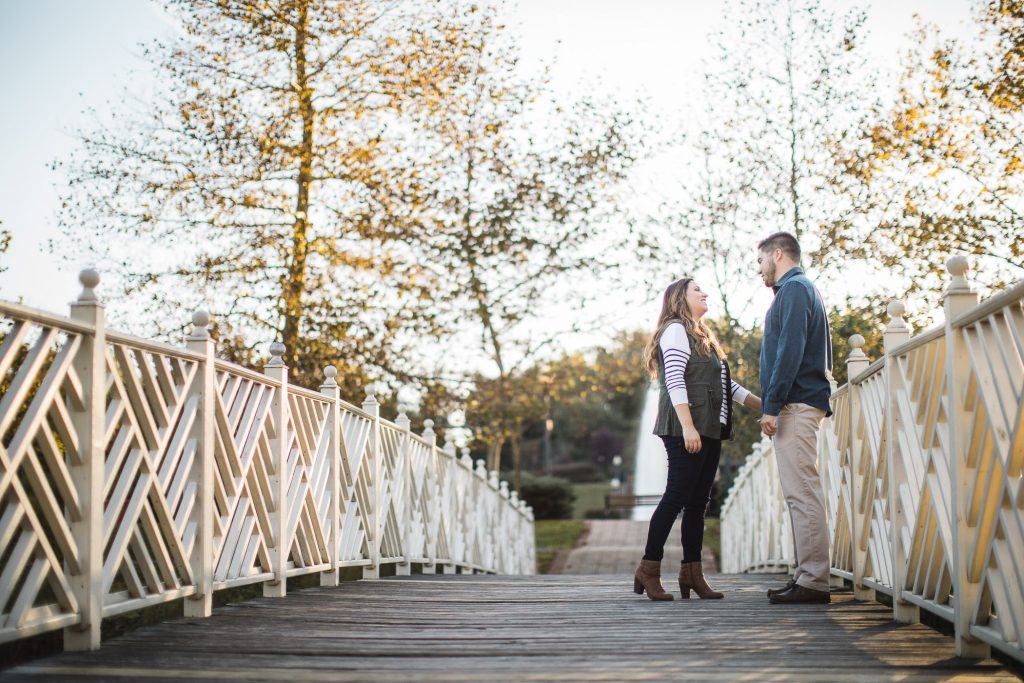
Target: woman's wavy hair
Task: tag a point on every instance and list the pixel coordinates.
(675, 310)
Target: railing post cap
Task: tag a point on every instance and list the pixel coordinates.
(200, 324)
(856, 343)
(896, 309)
(958, 266)
(277, 350)
(89, 279)
(370, 389)
(330, 375)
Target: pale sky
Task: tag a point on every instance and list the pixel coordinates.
(59, 56)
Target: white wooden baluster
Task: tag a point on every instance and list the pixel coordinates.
(897, 332)
(448, 500)
(507, 534)
(465, 473)
(528, 542)
(405, 471)
(374, 523)
(89, 420)
(203, 390)
(331, 390)
(432, 480)
(278, 371)
(492, 516)
(480, 530)
(959, 298)
(519, 560)
(825, 472)
(856, 363)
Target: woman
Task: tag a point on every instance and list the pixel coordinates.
(694, 415)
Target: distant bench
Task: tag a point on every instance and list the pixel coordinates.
(623, 501)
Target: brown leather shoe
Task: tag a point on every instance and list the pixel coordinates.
(691, 577)
(801, 595)
(776, 591)
(648, 578)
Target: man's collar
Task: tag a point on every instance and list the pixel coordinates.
(795, 270)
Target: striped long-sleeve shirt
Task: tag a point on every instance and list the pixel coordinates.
(675, 349)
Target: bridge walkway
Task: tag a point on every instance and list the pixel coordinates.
(524, 628)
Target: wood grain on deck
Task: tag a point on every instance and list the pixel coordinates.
(540, 628)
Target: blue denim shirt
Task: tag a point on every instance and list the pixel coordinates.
(796, 352)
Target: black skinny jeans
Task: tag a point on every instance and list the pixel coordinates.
(688, 489)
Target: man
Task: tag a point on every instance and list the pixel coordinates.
(796, 364)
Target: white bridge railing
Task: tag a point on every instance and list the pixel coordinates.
(921, 464)
(133, 473)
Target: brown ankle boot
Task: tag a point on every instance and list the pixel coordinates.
(691, 577)
(648, 578)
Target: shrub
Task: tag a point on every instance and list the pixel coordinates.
(550, 497)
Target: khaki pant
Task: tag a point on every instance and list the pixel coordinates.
(796, 453)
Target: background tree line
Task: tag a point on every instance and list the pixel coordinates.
(380, 186)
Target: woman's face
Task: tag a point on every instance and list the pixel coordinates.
(696, 300)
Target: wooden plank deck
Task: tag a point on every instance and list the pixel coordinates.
(539, 628)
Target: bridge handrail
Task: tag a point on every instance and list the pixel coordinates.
(134, 472)
(921, 464)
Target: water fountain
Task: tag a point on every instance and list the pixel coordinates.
(650, 466)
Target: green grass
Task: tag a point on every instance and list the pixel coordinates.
(589, 497)
(552, 535)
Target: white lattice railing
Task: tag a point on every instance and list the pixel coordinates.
(921, 464)
(133, 473)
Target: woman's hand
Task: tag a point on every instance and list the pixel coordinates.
(752, 401)
(691, 439)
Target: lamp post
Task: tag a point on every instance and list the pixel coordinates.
(549, 423)
(617, 474)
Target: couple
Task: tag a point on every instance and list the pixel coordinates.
(695, 415)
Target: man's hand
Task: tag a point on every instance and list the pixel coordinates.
(769, 424)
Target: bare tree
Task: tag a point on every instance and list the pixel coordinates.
(786, 81)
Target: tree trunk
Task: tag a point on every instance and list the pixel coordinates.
(794, 194)
(495, 463)
(294, 284)
(517, 461)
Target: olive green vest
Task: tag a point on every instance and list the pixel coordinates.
(704, 393)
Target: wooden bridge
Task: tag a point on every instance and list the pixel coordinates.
(134, 473)
(524, 628)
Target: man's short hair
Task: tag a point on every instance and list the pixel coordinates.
(781, 240)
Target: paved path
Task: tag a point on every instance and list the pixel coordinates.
(534, 628)
(615, 546)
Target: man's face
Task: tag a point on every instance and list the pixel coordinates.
(766, 267)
